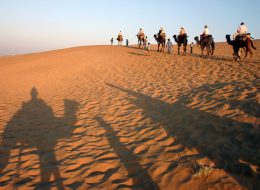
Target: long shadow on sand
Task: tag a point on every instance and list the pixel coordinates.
(228, 143)
(35, 126)
(139, 54)
(223, 58)
(141, 179)
(213, 57)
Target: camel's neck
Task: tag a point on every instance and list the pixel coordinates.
(197, 41)
(175, 39)
(229, 41)
(71, 108)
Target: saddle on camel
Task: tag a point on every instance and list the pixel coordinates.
(242, 37)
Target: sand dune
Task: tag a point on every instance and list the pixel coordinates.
(103, 117)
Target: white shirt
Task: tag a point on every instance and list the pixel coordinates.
(242, 29)
(141, 32)
(206, 31)
(182, 31)
(169, 43)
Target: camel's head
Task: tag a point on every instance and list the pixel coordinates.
(155, 35)
(174, 36)
(229, 41)
(34, 93)
(228, 36)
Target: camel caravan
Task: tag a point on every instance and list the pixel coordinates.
(242, 42)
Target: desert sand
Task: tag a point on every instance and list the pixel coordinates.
(109, 117)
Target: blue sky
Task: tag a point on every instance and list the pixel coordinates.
(39, 25)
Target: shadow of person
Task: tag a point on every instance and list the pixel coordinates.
(226, 142)
(35, 126)
(141, 179)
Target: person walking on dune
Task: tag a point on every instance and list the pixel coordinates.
(148, 47)
(191, 47)
(169, 46)
(111, 41)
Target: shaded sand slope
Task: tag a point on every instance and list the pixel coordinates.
(106, 117)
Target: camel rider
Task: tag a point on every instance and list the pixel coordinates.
(141, 32)
(205, 32)
(120, 34)
(241, 31)
(182, 32)
(161, 31)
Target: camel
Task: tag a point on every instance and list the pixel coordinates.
(140, 40)
(239, 43)
(161, 40)
(120, 40)
(181, 39)
(206, 42)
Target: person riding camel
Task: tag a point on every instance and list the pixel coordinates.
(205, 32)
(182, 32)
(120, 34)
(161, 32)
(241, 31)
(140, 33)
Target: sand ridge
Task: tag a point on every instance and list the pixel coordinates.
(103, 117)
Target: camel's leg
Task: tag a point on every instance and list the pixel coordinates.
(184, 49)
(5, 150)
(212, 50)
(208, 50)
(245, 55)
(158, 47)
(251, 56)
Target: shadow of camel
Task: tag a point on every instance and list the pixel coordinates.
(35, 126)
(224, 141)
(222, 58)
(139, 54)
(213, 57)
(141, 179)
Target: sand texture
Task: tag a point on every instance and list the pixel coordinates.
(103, 117)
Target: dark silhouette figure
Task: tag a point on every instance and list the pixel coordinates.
(141, 178)
(161, 40)
(35, 126)
(230, 141)
(181, 40)
(111, 41)
(206, 42)
(241, 42)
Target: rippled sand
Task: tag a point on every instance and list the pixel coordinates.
(105, 117)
